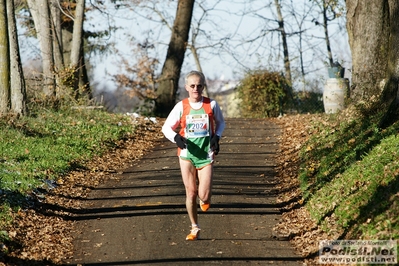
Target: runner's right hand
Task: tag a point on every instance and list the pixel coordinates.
(181, 142)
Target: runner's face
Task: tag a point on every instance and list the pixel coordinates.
(194, 88)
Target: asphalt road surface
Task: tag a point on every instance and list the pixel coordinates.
(140, 218)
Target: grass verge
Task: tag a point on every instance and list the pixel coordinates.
(37, 150)
(350, 177)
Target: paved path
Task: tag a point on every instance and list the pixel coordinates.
(140, 219)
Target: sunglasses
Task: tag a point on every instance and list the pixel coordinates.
(199, 86)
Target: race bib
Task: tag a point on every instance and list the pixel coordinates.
(197, 126)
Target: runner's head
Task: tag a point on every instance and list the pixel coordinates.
(195, 84)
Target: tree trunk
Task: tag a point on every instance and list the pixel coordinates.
(287, 65)
(58, 56)
(326, 34)
(390, 95)
(169, 79)
(77, 63)
(84, 82)
(18, 89)
(368, 30)
(41, 17)
(57, 35)
(5, 60)
(67, 45)
(77, 36)
(373, 37)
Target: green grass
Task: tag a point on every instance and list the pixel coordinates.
(350, 178)
(47, 145)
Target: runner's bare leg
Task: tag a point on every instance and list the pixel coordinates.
(189, 176)
(205, 183)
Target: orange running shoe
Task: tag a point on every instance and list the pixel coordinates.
(194, 234)
(205, 205)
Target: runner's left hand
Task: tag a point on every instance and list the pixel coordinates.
(215, 144)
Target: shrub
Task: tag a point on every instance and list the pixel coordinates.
(262, 94)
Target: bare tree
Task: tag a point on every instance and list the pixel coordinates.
(137, 86)
(202, 40)
(330, 10)
(41, 16)
(75, 15)
(300, 16)
(17, 81)
(273, 34)
(59, 28)
(324, 7)
(5, 61)
(168, 81)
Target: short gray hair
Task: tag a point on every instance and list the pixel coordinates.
(198, 74)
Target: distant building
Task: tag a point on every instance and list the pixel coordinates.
(224, 92)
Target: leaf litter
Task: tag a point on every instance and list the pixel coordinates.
(296, 223)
